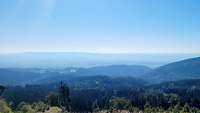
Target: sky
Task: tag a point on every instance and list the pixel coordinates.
(100, 26)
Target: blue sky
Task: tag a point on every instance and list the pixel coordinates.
(100, 26)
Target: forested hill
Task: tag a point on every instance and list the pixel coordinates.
(182, 70)
(182, 84)
(115, 70)
(22, 76)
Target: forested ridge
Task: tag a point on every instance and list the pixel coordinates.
(67, 92)
(163, 97)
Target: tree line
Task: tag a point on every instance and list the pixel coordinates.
(35, 99)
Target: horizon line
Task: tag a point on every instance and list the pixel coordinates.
(85, 52)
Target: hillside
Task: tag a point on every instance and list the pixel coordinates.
(16, 76)
(182, 70)
(22, 76)
(115, 70)
(181, 84)
(96, 82)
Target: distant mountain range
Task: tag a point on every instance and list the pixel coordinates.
(18, 76)
(114, 70)
(181, 70)
(22, 76)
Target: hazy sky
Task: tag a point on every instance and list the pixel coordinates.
(102, 26)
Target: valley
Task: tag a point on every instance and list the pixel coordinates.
(131, 88)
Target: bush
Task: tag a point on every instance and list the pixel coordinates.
(4, 108)
(25, 108)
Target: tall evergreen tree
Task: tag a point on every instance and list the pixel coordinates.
(63, 97)
(2, 88)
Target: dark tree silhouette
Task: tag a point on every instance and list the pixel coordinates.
(2, 88)
(63, 97)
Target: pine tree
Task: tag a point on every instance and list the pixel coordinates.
(63, 98)
(2, 88)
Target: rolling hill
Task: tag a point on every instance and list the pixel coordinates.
(22, 76)
(114, 70)
(181, 70)
(181, 84)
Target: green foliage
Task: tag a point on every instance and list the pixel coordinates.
(120, 104)
(52, 99)
(2, 88)
(25, 108)
(148, 108)
(39, 106)
(4, 108)
(63, 97)
(133, 109)
(186, 108)
(174, 98)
